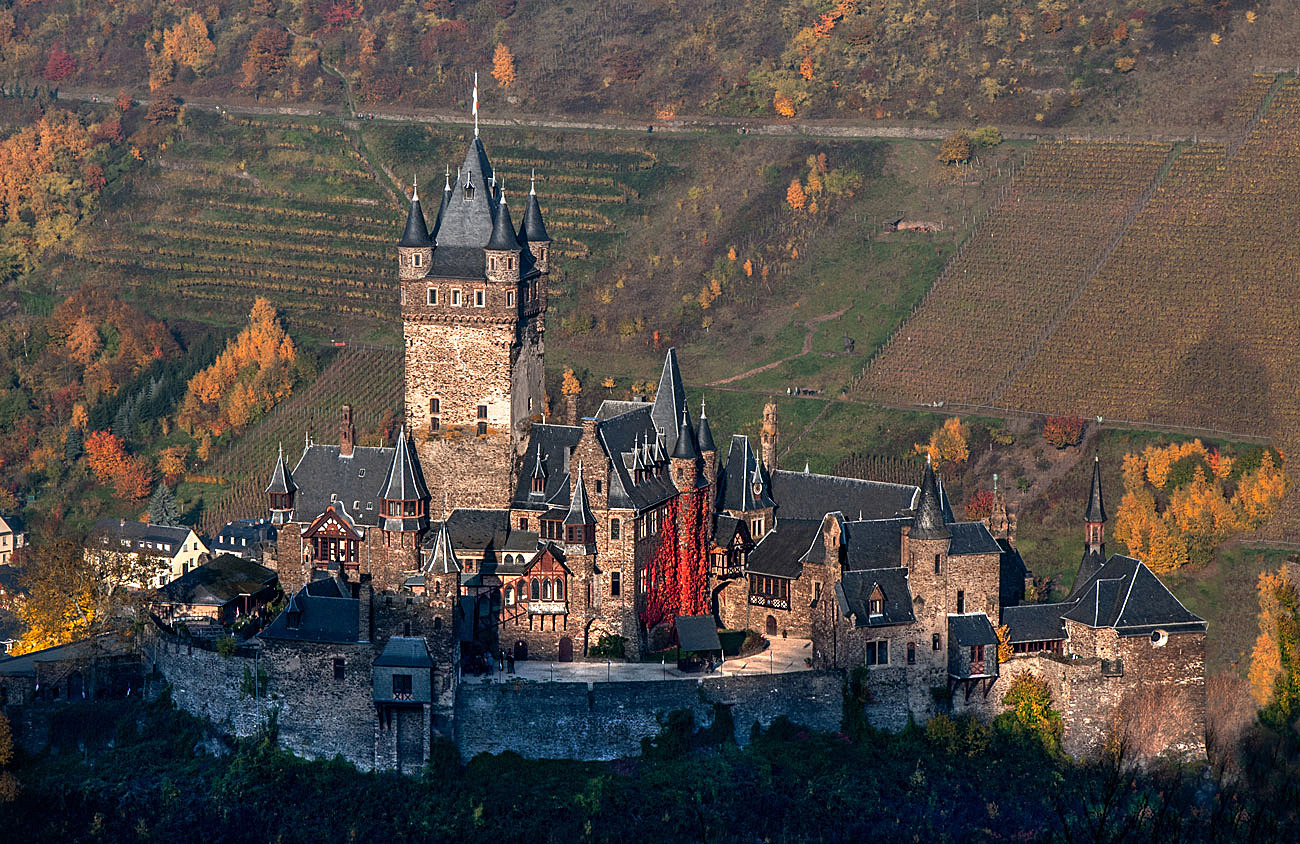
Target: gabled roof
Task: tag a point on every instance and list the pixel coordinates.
(670, 401)
(1127, 596)
(281, 478)
(726, 529)
(416, 234)
(326, 611)
(736, 480)
(929, 522)
(138, 537)
(405, 652)
(323, 476)
(1035, 622)
(971, 538)
(1096, 511)
(853, 593)
(971, 629)
(618, 437)
(218, 582)
(1088, 567)
(548, 450)
(806, 495)
(780, 551)
(697, 633)
(467, 222)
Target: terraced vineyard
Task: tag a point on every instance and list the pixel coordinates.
(1017, 272)
(368, 378)
(1189, 322)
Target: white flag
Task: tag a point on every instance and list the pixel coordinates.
(475, 110)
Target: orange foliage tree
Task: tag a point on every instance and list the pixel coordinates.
(268, 51)
(948, 444)
(256, 370)
(503, 66)
(795, 197)
(1275, 593)
(109, 460)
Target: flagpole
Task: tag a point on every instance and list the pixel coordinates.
(476, 104)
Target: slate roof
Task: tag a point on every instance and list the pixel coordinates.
(618, 437)
(1127, 596)
(442, 204)
(243, 536)
(705, 438)
(853, 592)
(138, 537)
(218, 582)
(686, 447)
(735, 480)
(779, 552)
(1035, 622)
(405, 652)
(873, 544)
(1089, 565)
(443, 559)
(670, 401)
(416, 234)
(327, 613)
(468, 222)
(580, 507)
(25, 665)
(281, 478)
(930, 523)
(533, 230)
(725, 529)
(1096, 511)
(549, 447)
(697, 633)
(971, 538)
(324, 476)
(805, 495)
(458, 262)
(503, 237)
(971, 629)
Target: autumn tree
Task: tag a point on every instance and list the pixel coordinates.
(163, 109)
(187, 43)
(172, 463)
(1277, 599)
(72, 595)
(268, 51)
(1029, 711)
(108, 459)
(1062, 431)
(503, 66)
(1005, 648)
(957, 149)
(783, 104)
(59, 65)
(794, 196)
(948, 444)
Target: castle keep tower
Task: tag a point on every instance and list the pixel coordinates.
(473, 300)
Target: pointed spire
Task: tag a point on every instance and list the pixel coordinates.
(533, 230)
(416, 234)
(405, 480)
(503, 229)
(476, 104)
(706, 433)
(687, 448)
(670, 400)
(443, 560)
(281, 478)
(415, 187)
(929, 522)
(1096, 511)
(579, 505)
(805, 467)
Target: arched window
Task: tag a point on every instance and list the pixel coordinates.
(559, 589)
(536, 589)
(546, 590)
(510, 596)
(521, 589)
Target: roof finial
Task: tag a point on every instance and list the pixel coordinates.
(532, 182)
(927, 458)
(476, 104)
(415, 187)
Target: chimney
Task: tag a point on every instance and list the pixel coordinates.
(768, 436)
(347, 432)
(364, 595)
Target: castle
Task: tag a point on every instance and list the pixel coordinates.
(488, 528)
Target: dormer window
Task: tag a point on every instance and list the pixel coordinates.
(469, 190)
(539, 485)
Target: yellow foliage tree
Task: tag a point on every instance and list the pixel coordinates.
(503, 66)
(1005, 650)
(783, 104)
(1274, 589)
(795, 196)
(187, 43)
(948, 444)
(570, 386)
(1259, 492)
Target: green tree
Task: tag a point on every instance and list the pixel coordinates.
(1030, 712)
(162, 507)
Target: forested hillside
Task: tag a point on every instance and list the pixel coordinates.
(875, 59)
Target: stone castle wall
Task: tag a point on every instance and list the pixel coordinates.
(595, 721)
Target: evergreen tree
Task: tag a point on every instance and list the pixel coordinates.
(162, 507)
(72, 446)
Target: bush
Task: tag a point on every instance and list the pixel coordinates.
(1031, 715)
(609, 647)
(1063, 431)
(986, 136)
(957, 149)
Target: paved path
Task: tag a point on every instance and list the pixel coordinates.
(784, 655)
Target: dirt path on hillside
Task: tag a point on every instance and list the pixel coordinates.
(810, 325)
(849, 129)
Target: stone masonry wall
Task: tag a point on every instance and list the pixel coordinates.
(594, 721)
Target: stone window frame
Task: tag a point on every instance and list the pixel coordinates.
(877, 653)
(480, 297)
(911, 653)
(456, 300)
(936, 642)
(510, 298)
(615, 584)
(415, 259)
(615, 528)
(431, 295)
(340, 669)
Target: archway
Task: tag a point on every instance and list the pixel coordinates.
(770, 627)
(521, 650)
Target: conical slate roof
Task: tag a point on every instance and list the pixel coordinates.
(1096, 507)
(442, 205)
(929, 522)
(503, 230)
(686, 448)
(579, 506)
(443, 560)
(670, 401)
(405, 481)
(467, 219)
(533, 229)
(281, 478)
(417, 232)
(706, 433)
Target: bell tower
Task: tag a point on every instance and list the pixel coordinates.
(472, 323)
